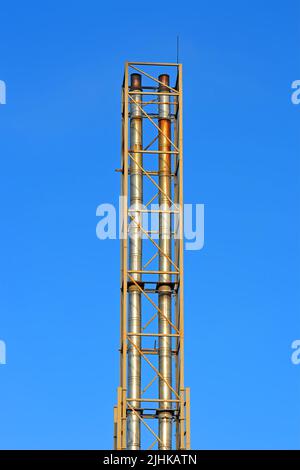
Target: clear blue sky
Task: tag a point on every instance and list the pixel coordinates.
(59, 146)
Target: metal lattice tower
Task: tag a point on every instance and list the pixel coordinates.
(153, 405)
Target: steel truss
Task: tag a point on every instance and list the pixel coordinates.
(163, 405)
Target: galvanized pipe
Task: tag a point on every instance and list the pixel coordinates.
(164, 288)
(135, 264)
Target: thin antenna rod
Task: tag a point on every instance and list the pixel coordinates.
(177, 48)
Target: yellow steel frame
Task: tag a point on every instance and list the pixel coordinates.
(180, 395)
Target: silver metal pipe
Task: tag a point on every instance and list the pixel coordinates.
(165, 341)
(135, 263)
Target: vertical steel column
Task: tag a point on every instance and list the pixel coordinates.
(164, 288)
(183, 410)
(135, 263)
(121, 415)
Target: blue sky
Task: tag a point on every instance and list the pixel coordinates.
(60, 143)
